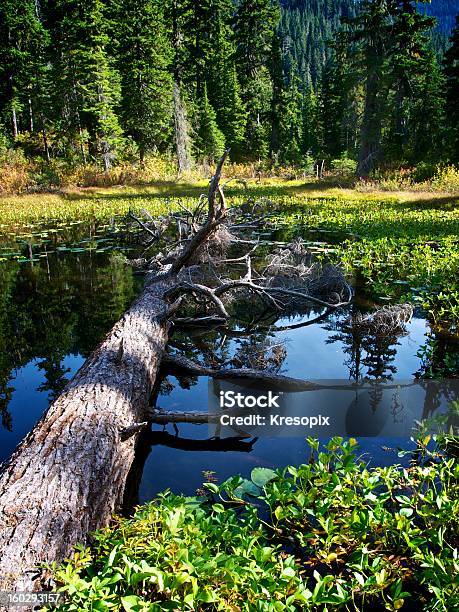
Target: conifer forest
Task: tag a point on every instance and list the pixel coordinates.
(284, 83)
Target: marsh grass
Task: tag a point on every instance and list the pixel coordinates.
(404, 246)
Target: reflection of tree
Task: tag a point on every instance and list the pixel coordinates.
(61, 306)
(55, 375)
(7, 277)
(369, 353)
(439, 356)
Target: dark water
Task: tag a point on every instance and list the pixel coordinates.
(60, 292)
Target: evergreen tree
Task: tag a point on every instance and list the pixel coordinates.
(144, 55)
(451, 71)
(310, 120)
(391, 49)
(338, 112)
(221, 78)
(230, 112)
(291, 124)
(210, 142)
(409, 59)
(427, 116)
(255, 25)
(306, 28)
(22, 65)
(370, 32)
(87, 84)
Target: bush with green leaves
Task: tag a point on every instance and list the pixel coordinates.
(331, 534)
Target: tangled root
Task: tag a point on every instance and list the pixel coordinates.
(216, 247)
(386, 321)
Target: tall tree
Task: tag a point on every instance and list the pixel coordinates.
(144, 56)
(87, 83)
(23, 40)
(311, 127)
(409, 60)
(210, 142)
(370, 32)
(221, 78)
(254, 28)
(291, 122)
(451, 70)
(391, 47)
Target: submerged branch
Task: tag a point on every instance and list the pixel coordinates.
(192, 368)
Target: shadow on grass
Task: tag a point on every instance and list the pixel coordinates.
(237, 188)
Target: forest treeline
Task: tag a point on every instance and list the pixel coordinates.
(107, 81)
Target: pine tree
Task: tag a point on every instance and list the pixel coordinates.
(221, 78)
(427, 113)
(231, 114)
(338, 115)
(254, 27)
(291, 124)
(144, 56)
(370, 34)
(391, 48)
(409, 61)
(210, 142)
(310, 120)
(22, 65)
(451, 71)
(87, 84)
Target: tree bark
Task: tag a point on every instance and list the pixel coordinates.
(67, 477)
(182, 139)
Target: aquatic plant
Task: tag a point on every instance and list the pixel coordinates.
(330, 534)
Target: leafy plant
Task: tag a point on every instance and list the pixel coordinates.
(331, 534)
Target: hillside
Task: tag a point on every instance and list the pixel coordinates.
(307, 25)
(445, 12)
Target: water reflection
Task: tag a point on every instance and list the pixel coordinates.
(58, 308)
(327, 348)
(55, 309)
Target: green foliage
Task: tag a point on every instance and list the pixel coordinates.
(255, 34)
(361, 537)
(87, 85)
(291, 124)
(82, 84)
(144, 54)
(452, 87)
(210, 142)
(395, 247)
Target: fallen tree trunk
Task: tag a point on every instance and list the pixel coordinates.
(67, 477)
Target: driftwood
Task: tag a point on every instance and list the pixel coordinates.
(278, 381)
(164, 417)
(164, 438)
(67, 477)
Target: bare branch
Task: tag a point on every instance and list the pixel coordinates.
(186, 287)
(282, 382)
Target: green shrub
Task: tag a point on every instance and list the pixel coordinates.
(332, 534)
(447, 179)
(344, 165)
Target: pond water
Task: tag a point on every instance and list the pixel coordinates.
(63, 287)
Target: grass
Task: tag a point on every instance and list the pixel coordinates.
(104, 202)
(330, 535)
